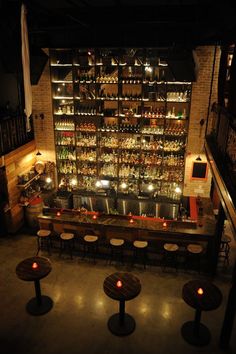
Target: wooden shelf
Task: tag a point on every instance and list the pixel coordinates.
(27, 184)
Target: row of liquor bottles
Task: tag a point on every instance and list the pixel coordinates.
(125, 144)
(67, 110)
(89, 183)
(170, 128)
(127, 157)
(111, 170)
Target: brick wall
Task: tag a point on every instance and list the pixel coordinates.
(44, 133)
(199, 109)
(42, 104)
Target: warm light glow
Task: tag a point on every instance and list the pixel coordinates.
(123, 185)
(178, 190)
(48, 180)
(35, 265)
(73, 182)
(89, 53)
(150, 187)
(131, 221)
(63, 101)
(164, 224)
(98, 184)
(119, 284)
(200, 291)
(58, 89)
(94, 217)
(148, 69)
(58, 213)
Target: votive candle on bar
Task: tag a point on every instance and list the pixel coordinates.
(58, 213)
(131, 221)
(35, 265)
(94, 217)
(119, 284)
(164, 224)
(200, 291)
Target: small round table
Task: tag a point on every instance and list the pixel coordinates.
(121, 287)
(202, 296)
(34, 269)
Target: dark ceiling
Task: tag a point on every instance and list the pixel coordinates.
(122, 23)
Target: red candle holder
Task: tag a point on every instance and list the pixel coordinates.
(164, 224)
(35, 265)
(94, 217)
(131, 221)
(58, 213)
(200, 291)
(119, 284)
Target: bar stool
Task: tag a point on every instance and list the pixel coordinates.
(67, 242)
(116, 247)
(170, 255)
(194, 252)
(44, 239)
(90, 245)
(225, 248)
(140, 251)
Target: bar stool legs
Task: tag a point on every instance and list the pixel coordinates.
(140, 252)
(116, 250)
(66, 243)
(44, 240)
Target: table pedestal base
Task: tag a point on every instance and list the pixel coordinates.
(35, 309)
(200, 338)
(119, 328)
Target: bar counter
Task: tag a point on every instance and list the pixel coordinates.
(146, 228)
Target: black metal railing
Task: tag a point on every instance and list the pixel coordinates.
(13, 133)
(221, 139)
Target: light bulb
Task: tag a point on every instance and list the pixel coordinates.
(150, 187)
(48, 180)
(178, 190)
(73, 181)
(123, 185)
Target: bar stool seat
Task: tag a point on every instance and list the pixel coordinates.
(44, 233)
(116, 246)
(116, 242)
(194, 248)
(140, 244)
(90, 245)
(140, 251)
(90, 238)
(170, 255)
(171, 247)
(43, 238)
(67, 239)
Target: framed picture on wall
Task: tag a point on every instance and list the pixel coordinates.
(199, 171)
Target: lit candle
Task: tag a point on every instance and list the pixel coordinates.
(164, 224)
(35, 265)
(94, 217)
(131, 221)
(119, 284)
(200, 291)
(58, 213)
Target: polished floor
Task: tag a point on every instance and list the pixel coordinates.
(77, 322)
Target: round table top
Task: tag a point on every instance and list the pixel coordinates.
(25, 271)
(209, 300)
(130, 288)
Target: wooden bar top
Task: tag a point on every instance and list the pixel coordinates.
(173, 226)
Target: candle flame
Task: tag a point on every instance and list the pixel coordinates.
(94, 217)
(119, 284)
(200, 291)
(164, 224)
(35, 265)
(58, 213)
(131, 221)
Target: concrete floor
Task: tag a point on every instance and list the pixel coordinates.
(77, 322)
